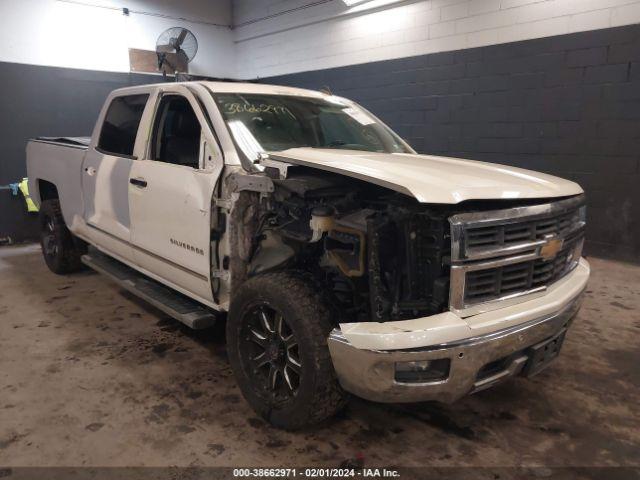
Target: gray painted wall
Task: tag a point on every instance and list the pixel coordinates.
(568, 105)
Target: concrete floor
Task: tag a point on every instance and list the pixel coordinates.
(92, 376)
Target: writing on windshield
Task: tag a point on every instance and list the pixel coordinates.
(268, 123)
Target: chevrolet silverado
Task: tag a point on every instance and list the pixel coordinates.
(342, 261)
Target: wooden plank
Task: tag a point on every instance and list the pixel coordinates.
(146, 61)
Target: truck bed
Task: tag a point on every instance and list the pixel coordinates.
(58, 160)
(75, 142)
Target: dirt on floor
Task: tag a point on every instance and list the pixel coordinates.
(91, 376)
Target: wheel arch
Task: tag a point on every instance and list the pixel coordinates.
(46, 190)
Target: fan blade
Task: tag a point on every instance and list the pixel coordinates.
(181, 37)
(183, 60)
(165, 49)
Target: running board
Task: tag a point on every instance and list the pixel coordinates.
(179, 306)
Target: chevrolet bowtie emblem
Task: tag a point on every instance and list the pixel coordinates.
(551, 248)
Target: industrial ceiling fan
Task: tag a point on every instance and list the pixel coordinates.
(175, 48)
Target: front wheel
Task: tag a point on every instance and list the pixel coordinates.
(60, 249)
(277, 342)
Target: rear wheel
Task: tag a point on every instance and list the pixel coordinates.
(277, 341)
(61, 250)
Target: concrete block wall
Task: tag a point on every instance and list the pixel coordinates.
(568, 105)
(330, 34)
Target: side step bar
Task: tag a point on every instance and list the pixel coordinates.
(179, 306)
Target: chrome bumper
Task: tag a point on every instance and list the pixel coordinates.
(370, 374)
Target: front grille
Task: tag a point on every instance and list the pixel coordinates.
(501, 236)
(497, 282)
(509, 253)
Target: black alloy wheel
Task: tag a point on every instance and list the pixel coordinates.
(270, 352)
(60, 249)
(50, 240)
(277, 331)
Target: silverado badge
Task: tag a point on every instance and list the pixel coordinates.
(186, 246)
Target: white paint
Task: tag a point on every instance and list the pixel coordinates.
(61, 34)
(433, 179)
(332, 35)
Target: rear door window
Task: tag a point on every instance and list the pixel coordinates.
(120, 127)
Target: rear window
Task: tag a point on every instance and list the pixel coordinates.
(120, 127)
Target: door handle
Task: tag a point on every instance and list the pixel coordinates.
(90, 171)
(138, 182)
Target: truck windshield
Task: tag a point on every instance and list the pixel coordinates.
(269, 123)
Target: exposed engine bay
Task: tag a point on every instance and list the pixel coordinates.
(380, 254)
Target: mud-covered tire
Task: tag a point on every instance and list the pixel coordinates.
(60, 249)
(307, 319)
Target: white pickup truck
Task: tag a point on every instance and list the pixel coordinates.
(346, 262)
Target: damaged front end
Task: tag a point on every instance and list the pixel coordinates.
(379, 254)
(391, 267)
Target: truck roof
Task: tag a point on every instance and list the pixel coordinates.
(236, 87)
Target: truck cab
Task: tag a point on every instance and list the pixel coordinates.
(342, 261)
(147, 181)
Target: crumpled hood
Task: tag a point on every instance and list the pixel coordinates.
(432, 179)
